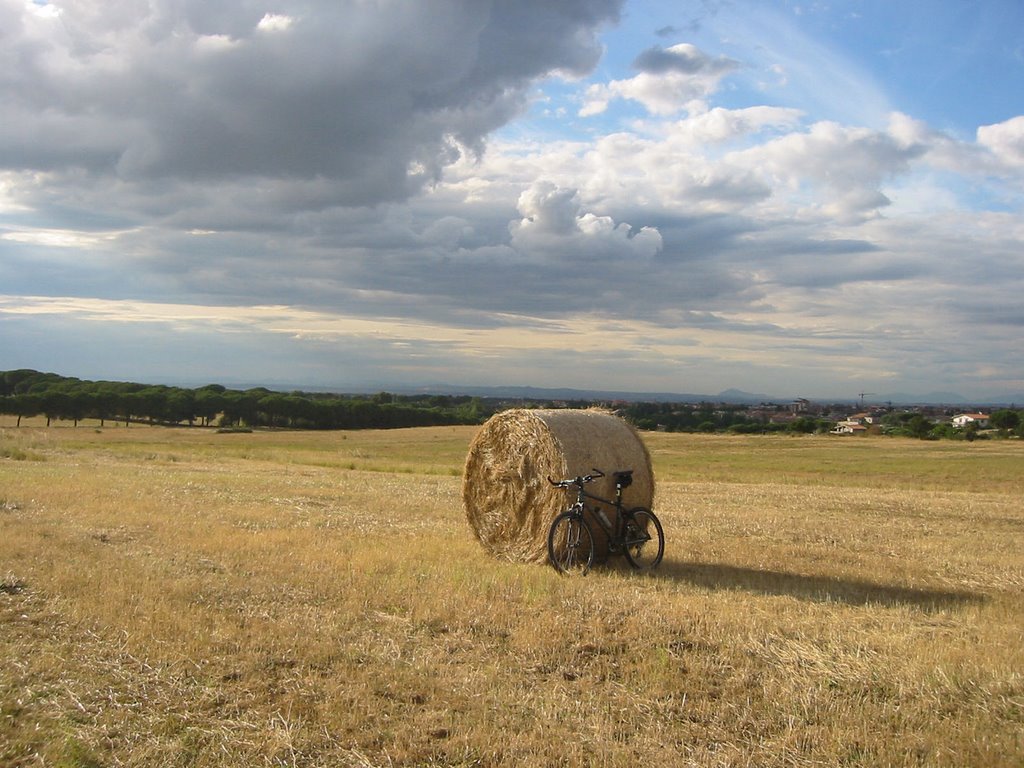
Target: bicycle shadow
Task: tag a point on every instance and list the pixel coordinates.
(823, 589)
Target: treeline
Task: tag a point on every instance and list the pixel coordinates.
(714, 417)
(739, 419)
(1005, 422)
(27, 393)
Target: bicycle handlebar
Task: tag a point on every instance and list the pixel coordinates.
(579, 480)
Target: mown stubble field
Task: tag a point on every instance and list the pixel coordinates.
(179, 597)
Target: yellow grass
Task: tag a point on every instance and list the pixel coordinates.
(186, 598)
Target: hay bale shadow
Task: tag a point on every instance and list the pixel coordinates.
(824, 589)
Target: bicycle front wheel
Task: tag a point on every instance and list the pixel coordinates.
(570, 544)
(643, 540)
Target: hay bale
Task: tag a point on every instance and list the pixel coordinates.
(508, 501)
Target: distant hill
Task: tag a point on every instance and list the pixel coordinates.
(749, 398)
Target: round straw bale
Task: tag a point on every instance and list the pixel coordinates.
(508, 500)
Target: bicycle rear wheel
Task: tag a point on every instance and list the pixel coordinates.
(643, 540)
(570, 544)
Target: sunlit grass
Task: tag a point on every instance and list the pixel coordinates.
(845, 461)
(182, 597)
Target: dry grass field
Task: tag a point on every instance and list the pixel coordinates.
(187, 598)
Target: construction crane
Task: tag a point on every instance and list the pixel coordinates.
(861, 395)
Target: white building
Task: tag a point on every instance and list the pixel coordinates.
(964, 419)
(849, 428)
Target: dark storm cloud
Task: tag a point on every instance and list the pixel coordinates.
(375, 102)
(685, 60)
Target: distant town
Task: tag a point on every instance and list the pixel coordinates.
(842, 419)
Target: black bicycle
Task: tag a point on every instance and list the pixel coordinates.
(635, 532)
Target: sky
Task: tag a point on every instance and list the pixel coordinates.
(810, 199)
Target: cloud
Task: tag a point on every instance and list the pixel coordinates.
(324, 185)
(721, 125)
(1005, 140)
(553, 226)
(830, 169)
(549, 210)
(670, 80)
(275, 22)
(682, 58)
(376, 104)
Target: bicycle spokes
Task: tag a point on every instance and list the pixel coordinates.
(644, 540)
(571, 546)
(570, 543)
(636, 537)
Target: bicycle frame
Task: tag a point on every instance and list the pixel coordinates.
(627, 535)
(613, 530)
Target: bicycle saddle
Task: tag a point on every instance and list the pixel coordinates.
(623, 478)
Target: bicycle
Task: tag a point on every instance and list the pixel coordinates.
(636, 532)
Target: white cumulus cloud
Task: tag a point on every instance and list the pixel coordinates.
(553, 224)
(1005, 140)
(275, 22)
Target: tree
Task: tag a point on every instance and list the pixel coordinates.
(209, 402)
(919, 426)
(104, 403)
(77, 405)
(180, 405)
(471, 412)
(28, 393)
(54, 404)
(804, 424)
(15, 382)
(946, 431)
(240, 408)
(151, 403)
(274, 410)
(22, 405)
(1005, 419)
